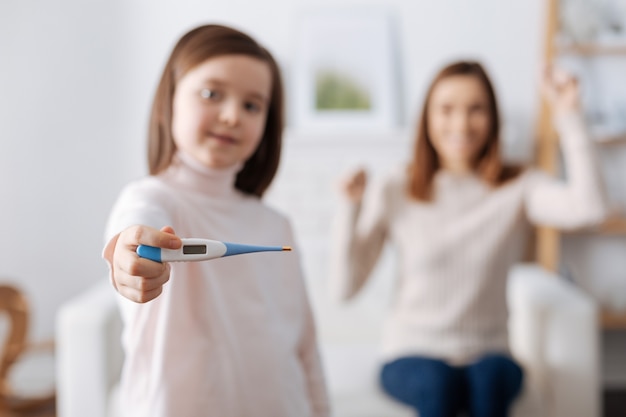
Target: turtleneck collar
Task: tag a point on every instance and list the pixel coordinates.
(187, 173)
(447, 175)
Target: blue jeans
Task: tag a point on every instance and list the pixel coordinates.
(485, 388)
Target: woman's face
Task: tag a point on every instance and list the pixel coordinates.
(459, 120)
(220, 109)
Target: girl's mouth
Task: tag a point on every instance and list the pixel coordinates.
(223, 138)
(460, 141)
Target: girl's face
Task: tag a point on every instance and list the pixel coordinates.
(220, 109)
(458, 121)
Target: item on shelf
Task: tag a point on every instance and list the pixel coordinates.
(580, 20)
(586, 21)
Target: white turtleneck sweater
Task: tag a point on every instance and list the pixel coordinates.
(231, 337)
(454, 253)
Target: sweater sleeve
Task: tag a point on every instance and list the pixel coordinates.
(312, 365)
(308, 351)
(136, 205)
(580, 200)
(359, 233)
(139, 203)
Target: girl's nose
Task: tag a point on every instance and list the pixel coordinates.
(230, 113)
(461, 122)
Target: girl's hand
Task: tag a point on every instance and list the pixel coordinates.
(139, 279)
(561, 90)
(353, 185)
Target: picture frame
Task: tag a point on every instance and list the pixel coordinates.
(345, 74)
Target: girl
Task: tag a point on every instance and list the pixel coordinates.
(232, 336)
(458, 217)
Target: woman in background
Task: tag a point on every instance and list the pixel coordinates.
(459, 218)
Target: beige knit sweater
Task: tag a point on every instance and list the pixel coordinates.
(454, 253)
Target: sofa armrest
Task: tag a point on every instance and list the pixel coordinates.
(89, 354)
(555, 335)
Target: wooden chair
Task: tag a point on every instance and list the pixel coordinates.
(14, 305)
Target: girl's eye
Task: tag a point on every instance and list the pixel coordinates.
(446, 109)
(207, 93)
(477, 109)
(252, 107)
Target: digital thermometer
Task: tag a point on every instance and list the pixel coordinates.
(194, 249)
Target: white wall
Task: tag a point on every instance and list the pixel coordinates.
(77, 78)
(63, 119)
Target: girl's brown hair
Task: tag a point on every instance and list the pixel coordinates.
(489, 165)
(192, 49)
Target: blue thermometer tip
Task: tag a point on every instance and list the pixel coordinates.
(238, 249)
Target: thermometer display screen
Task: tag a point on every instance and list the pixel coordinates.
(194, 249)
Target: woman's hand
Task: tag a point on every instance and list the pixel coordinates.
(353, 185)
(139, 279)
(561, 90)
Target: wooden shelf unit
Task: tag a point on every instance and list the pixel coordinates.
(612, 320)
(612, 140)
(547, 243)
(613, 226)
(590, 49)
(547, 240)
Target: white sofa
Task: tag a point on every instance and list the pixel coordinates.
(554, 333)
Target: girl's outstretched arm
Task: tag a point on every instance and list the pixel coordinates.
(138, 279)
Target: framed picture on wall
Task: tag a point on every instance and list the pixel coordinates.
(344, 73)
